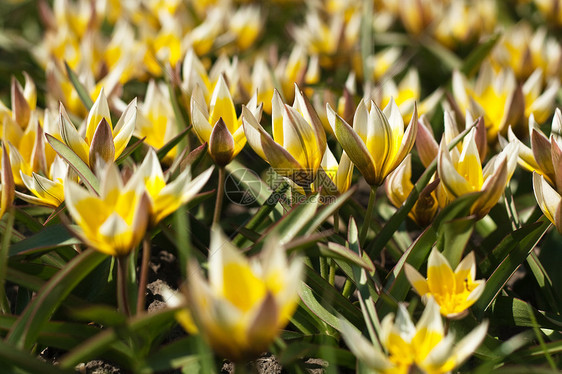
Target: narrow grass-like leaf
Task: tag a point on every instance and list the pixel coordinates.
(179, 354)
(75, 163)
(129, 150)
(448, 58)
(25, 331)
(453, 238)
(295, 220)
(252, 184)
(61, 335)
(15, 358)
(327, 211)
(321, 311)
(479, 54)
(340, 252)
(50, 237)
(298, 350)
(510, 311)
(261, 215)
(101, 314)
(79, 87)
(398, 218)
(544, 281)
(327, 294)
(163, 151)
(518, 247)
(151, 324)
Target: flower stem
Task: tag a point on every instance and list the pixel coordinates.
(336, 221)
(368, 215)
(122, 294)
(143, 277)
(4, 303)
(220, 196)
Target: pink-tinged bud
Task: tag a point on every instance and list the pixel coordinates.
(542, 153)
(221, 144)
(102, 146)
(425, 143)
(8, 186)
(20, 107)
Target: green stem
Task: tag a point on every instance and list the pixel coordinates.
(143, 281)
(332, 274)
(324, 267)
(368, 215)
(347, 288)
(4, 252)
(336, 221)
(220, 196)
(122, 294)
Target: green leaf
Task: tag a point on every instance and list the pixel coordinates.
(295, 220)
(479, 54)
(253, 185)
(12, 358)
(510, 311)
(517, 247)
(75, 163)
(448, 58)
(163, 151)
(145, 325)
(397, 284)
(325, 313)
(453, 238)
(261, 215)
(129, 150)
(298, 350)
(50, 237)
(79, 87)
(175, 355)
(340, 252)
(392, 225)
(28, 326)
(327, 211)
(332, 298)
(101, 314)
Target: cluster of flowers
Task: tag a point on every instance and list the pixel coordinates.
(227, 80)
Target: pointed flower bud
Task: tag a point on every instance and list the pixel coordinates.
(218, 124)
(7, 186)
(377, 143)
(295, 151)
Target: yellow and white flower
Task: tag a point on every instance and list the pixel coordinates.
(165, 198)
(156, 122)
(461, 173)
(245, 302)
(425, 346)
(454, 292)
(544, 151)
(218, 125)
(548, 199)
(100, 138)
(115, 221)
(296, 149)
(47, 191)
(398, 187)
(377, 143)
